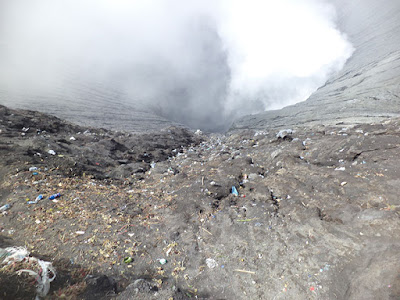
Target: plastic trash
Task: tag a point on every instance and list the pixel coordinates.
(32, 169)
(72, 138)
(284, 133)
(162, 261)
(13, 254)
(18, 254)
(54, 196)
(52, 152)
(128, 260)
(5, 207)
(38, 198)
(43, 280)
(211, 263)
(234, 191)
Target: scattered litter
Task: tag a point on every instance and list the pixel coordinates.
(5, 207)
(162, 261)
(128, 260)
(312, 289)
(52, 197)
(25, 129)
(306, 141)
(43, 280)
(234, 191)
(52, 152)
(38, 198)
(198, 132)
(153, 165)
(13, 254)
(284, 133)
(31, 169)
(211, 263)
(80, 232)
(340, 169)
(72, 138)
(326, 268)
(18, 254)
(245, 271)
(343, 183)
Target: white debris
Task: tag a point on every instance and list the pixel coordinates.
(13, 254)
(211, 263)
(260, 133)
(306, 141)
(52, 152)
(284, 133)
(18, 254)
(340, 169)
(72, 138)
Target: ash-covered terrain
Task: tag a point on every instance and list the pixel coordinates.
(315, 216)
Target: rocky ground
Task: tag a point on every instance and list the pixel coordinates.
(316, 215)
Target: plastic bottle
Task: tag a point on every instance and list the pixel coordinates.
(5, 207)
(54, 196)
(38, 198)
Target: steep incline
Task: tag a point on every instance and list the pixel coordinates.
(368, 87)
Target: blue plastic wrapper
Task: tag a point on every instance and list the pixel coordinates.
(234, 191)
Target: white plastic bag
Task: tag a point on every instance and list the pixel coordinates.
(17, 254)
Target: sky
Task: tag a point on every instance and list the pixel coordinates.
(201, 63)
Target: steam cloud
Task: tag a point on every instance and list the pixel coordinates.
(201, 63)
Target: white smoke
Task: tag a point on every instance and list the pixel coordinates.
(279, 52)
(198, 62)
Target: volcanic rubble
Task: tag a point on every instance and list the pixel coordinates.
(155, 216)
